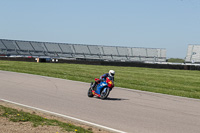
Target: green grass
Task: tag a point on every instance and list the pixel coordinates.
(21, 116)
(184, 83)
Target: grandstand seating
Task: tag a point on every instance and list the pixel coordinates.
(152, 52)
(110, 50)
(24, 45)
(123, 51)
(97, 52)
(2, 46)
(81, 49)
(52, 47)
(107, 57)
(37, 46)
(10, 44)
(193, 54)
(139, 52)
(161, 55)
(37, 53)
(66, 48)
(94, 49)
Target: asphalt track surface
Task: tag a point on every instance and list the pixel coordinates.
(125, 110)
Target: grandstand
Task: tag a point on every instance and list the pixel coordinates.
(193, 54)
(79, 51)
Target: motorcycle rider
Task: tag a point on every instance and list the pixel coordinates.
(110, 74)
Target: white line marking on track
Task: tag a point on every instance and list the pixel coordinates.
(65, 116)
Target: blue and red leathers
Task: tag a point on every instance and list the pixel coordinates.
(103, 77)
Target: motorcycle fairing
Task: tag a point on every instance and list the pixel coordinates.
(100, 86)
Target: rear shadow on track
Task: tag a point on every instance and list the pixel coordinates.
(115, 99)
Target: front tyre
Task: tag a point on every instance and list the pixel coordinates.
(105, 94)
(90, 92)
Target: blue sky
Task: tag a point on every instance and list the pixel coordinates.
(170, 24)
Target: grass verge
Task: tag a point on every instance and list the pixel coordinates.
(21, 116)
(184, 83)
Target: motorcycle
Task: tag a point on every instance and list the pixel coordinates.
(102, 89)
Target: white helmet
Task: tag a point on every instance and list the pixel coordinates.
(111, 73)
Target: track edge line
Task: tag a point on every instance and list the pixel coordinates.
(65, 116)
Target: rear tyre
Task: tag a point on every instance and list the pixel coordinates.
(90, 92)
(105, 94)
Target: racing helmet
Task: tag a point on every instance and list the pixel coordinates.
(111, 73)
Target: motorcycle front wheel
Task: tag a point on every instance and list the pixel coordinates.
(105, 94)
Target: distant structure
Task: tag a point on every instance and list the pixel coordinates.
(80, 51)
(193, 54)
